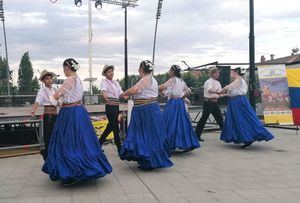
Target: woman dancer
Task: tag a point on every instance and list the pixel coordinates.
(145, 138)
(241, 123)
(74, 153)
(180, 133)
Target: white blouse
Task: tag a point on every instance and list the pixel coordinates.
(71, 90)
(237, 87)
(175, 87)
(147, 88)
(45, 97)
(111, 88)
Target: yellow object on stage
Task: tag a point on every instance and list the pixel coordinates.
(100, 126)
(293, 75)
(279, 119)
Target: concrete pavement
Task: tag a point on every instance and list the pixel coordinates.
(217, 172)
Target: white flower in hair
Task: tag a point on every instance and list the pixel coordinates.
(149, 64)
(75, 65)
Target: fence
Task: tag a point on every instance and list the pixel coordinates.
(25, 100)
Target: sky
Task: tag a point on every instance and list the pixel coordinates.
(195, 31)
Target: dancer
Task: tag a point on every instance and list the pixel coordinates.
(74, 153)
(180, 133)
(145, 139)
(111, 91)
(241, 122)
(45, 98)
(212, 88)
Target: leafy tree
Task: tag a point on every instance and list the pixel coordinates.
(27, 85)
(95, 90)
(3, 76)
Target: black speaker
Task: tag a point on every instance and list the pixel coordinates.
(224, 79)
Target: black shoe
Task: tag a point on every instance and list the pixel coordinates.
(247, 145)
(200, 139)
(70, 182)
(145, 169)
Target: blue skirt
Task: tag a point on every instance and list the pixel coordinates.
(145, 138)
(241, 123)
(74, 151)
(180, 133)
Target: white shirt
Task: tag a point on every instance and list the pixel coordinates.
(45, 97)
(175, 87)
(147, 88)
(71, 90)
(112, 88)
(213, 85)
(237, 87)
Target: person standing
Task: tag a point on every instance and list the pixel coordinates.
(145, 137)
(212, 88)
(111, 91)
(74, 153)
(241, 122)
(45, 98)
(180, 133)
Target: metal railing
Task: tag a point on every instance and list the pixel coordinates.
(9, 125)
(25, 100)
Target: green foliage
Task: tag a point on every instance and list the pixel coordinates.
(95, 90)
(190, 79)
(3, 76)
(26, 84)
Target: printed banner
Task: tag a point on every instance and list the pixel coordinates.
(275, 94)
(293, 76)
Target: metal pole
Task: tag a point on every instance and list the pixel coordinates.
(90, 45)
(154, 42)
(252, 57)
(6, 54)
(41, 134)
(158, 14)
(125, 51)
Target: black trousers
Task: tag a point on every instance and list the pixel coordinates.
(49, 121)
(209, 108)
(112, 113)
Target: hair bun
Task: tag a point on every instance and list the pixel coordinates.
(147, 66)
(176, 68)
(72, 64)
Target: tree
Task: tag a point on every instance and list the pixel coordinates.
(3, 76)
(35, 85)
(95, 90)
(132, 80)
(161, 78)
(25, 82)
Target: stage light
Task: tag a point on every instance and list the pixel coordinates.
(98, 4)
(78, 3)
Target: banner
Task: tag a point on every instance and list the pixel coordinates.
(293, 76)
(100, 126)
(275, 94)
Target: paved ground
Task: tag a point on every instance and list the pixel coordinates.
(218, 172)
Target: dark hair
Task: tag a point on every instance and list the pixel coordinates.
(238, 71)
(147, 66)
(176, 69)
(72, 64)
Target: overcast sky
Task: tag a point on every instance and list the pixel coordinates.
(196, 31)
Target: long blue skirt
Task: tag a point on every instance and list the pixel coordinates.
(241, 123)
(74, 151)
(180, 133)
(145, 138)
